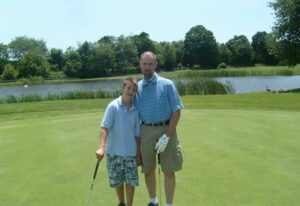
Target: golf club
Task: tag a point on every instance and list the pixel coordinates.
(158, 164)
(93, 181)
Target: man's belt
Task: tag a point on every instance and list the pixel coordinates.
(156, 123)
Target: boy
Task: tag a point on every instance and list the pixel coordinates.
(120, 139)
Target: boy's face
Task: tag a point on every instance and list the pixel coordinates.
(129, 90)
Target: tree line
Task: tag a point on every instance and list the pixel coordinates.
(26, 57)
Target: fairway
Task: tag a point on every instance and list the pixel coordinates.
(236, 152)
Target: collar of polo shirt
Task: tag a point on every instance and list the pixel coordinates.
(152, 80)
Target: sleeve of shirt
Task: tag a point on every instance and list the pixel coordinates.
(137, 125)
(108, 117)
(174, 98)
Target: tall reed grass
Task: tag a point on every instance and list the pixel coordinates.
(236, 72)
(202, 86)
(76, 94)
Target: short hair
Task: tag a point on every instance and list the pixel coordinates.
(131, 80)
(151, 52)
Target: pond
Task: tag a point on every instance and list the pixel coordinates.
(261, 83)
(240, 85)
(44, 89)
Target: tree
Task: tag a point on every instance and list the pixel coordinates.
(108, 39)
(179, 51)
(9, 73)
(200, 47)
(73, 63)
(56, 59)
(85, 51)
(169, 53)
(240, 50)
(224, 53)
(143, 43)
(287, 29)
(126, 54)
(159, 51)
(275, 49)
(4, 57)
(104, 59)
(33, 64)
(260, 48)
(23, 45)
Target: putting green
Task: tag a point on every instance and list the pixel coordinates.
(231, 156)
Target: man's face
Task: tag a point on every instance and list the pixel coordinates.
(148, 65)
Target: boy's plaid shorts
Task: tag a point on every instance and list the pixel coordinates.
(122, 169)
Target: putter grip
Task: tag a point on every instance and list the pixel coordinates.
(96, 169)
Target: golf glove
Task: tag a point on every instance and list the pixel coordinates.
(161, 144)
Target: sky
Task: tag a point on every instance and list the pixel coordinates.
(64, 23)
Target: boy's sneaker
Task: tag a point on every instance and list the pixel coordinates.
(121, 204)
(152, 204)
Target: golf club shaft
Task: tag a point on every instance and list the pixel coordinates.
(158, 161)
(92, 185)
(96, 169)
(95, 173)
(89, 198)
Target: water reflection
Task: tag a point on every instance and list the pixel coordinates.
(44, 89)
(261, 83)
(240, 85)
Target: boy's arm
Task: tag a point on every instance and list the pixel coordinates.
(101, 150)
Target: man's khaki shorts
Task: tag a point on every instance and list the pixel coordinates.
(170, 160)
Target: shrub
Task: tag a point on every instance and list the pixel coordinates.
(33, 64)
(57, 75)
(9, 73)
(32, 80)
(285, 72)
(222, 65)
(30, 98)
(10, 99)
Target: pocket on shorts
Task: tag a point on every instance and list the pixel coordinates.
(178, 155)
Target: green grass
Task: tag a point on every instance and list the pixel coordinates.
(238, 150)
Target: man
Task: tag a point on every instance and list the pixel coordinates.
(159, 105)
